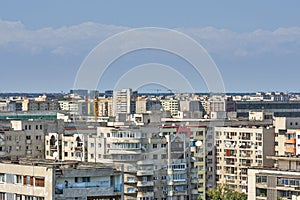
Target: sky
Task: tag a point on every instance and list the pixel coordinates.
(254, 44)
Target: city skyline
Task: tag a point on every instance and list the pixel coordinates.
(254, 45)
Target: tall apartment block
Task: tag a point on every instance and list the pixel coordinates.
(239, 148)
(124, 102)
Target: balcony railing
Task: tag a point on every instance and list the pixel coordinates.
(95, 187)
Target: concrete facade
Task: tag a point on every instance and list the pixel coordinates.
(239, 148)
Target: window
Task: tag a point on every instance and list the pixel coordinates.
(99, 145)
(130, 179)
(2, 196)
(36, 127)
(163, 145)
(130, 189)
(66, 154)
(38, 137)
(85, 179)
(92, 156)
(28, 137)
(18, 197)
(154, 157)
(99, 156)
(261, 179)
(154, 146)
(27, 180)
(65, 143)
(199, 133)
(92, 145)
(41, 127)
(2, 178)
(40, 181)
(163, 156)
(144, 179)
(18, 179)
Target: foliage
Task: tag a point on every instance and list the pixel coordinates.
(224, 192)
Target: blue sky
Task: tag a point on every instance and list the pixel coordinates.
(255, 44)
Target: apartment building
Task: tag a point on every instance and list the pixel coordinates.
(239, 148)
(70, 144)
(48, 180)
(24, 138)
(171, 105)
(103, 107)
(124, 102)
(279, 182)
(287, 135)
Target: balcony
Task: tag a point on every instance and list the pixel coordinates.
(76, 191)
(78, 149)
(28, 141)
(174, 192)
(145, 173)
(145, 194)
(290, 150)
(130, 191)
(145, 183)
(124, 151)
(130, 181)
(246, 138)
(291, 141)
(194, 191)
(53, 147)
(145, 162)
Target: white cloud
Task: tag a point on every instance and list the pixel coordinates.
(225, 42)
(76, 39)
(65, 40)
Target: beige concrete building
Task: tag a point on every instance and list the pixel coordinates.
(171, 105)
(280, 182)
(287, 131)
(239, 148)
(24, 138)
(48, 180)
(140, 105)
(65, 147)
(103, 107)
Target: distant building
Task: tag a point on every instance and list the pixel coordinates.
(278, 108)
(80, 92)
(124, 102)
(171, 105)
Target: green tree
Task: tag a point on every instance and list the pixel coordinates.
(224, 192)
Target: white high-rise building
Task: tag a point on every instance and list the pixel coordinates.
(123, 102)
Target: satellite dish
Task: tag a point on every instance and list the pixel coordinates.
(199, 143)
(55, 154)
